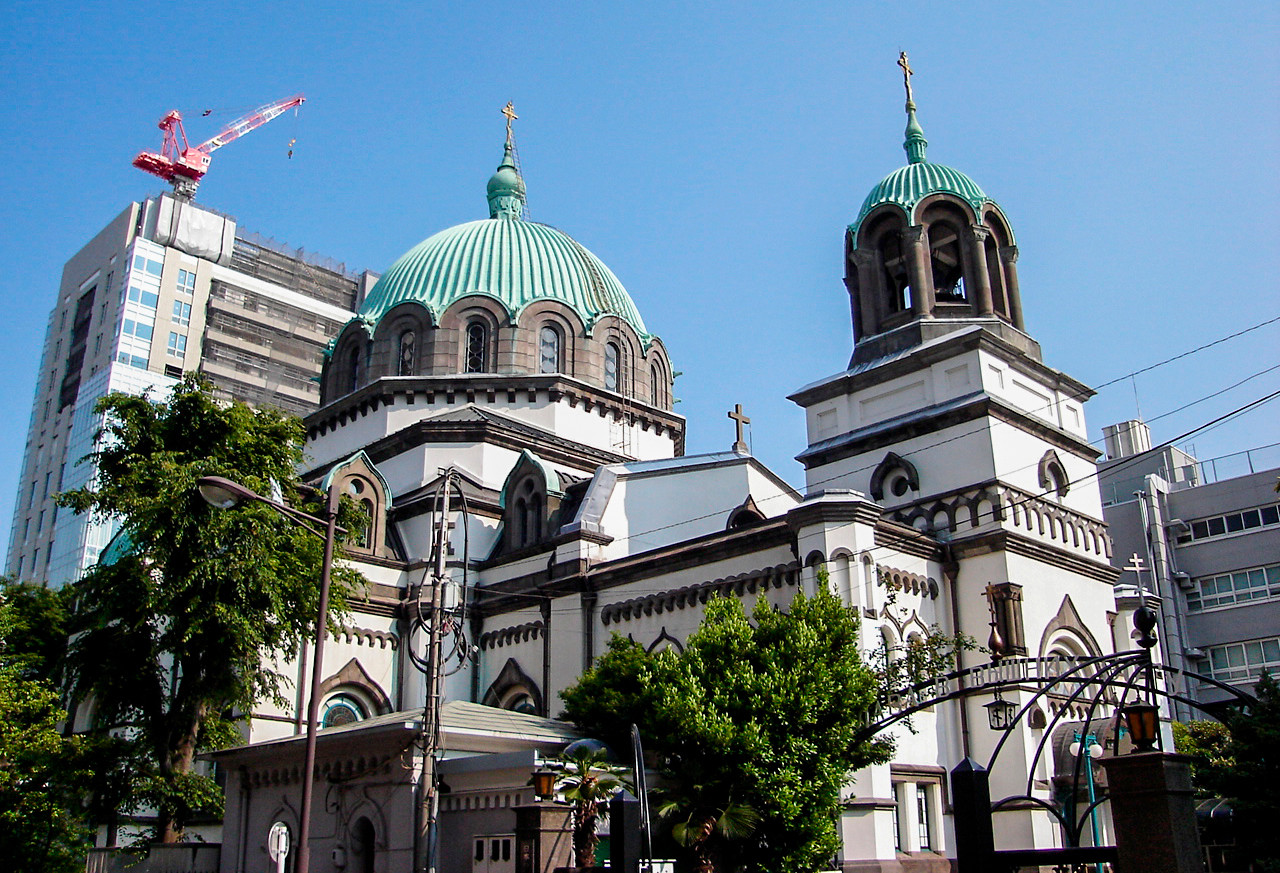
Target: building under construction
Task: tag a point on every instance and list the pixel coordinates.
(168, 287)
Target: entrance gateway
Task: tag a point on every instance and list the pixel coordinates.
(1149, 791)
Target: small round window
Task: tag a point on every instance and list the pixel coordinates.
(342, 709)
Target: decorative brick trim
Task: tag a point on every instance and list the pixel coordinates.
(695, 595)
(520, 633)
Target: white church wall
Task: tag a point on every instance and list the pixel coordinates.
(650, 511)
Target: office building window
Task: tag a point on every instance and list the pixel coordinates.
(1231, 589)
(1238, 662)
(1231, 523)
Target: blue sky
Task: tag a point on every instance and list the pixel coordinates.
(712, 155)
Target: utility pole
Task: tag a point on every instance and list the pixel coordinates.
(428, 797)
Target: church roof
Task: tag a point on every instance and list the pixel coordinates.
(507, 258)
(906, 186)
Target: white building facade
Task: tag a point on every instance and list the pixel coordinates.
(948, 486)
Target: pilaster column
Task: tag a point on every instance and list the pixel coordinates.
(866, 299)
(1009, 256)
(981, 278)
(922, 299)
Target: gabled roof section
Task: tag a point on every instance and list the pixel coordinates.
(364, 462)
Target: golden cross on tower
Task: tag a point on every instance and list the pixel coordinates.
(510, 112)
(907, 73)
(739, 420)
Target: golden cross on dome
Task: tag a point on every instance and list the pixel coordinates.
(907, 72)
(510, 112)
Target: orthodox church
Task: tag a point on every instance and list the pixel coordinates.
(500, 396)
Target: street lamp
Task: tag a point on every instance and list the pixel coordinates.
(1092, 749)
(1142, 719)
(1000, 712)
(224, 494)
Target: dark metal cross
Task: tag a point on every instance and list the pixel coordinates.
(739, 419)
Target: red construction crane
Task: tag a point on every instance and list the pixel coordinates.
(184, 166)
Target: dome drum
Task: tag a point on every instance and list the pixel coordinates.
(502, 296)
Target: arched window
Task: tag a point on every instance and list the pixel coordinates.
(406, 353)
(477, 347)
(549, 352)
(868, 582)
(896, 278)
(363, 847)
(612, 357)
(946, 262)
(362, 536)
(342, 709)
(655, 384)
(353, 368)
(527, 517)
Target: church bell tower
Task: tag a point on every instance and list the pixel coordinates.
(947, 415)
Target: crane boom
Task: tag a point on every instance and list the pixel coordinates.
(177, 162)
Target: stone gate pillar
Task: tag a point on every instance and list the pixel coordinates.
(1154, 813)
(544, 837)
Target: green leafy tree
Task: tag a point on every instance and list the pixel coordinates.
(1208, 744)
(176, 628)
(763, 711)
(1251, 773)
(41, 772)
(588, 781)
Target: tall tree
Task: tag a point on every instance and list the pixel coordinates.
(761, 712)
(179, 624)
(41, 772)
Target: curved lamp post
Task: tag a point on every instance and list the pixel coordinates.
(224, 494)
(1091, 749)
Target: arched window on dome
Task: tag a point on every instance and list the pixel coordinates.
(896, 278)
(655, 384)
(612, 364)
(550, 351)
(354, 368)
(477, 347)
(406, 353)
(946, 262)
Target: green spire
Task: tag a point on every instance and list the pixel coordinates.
(915, 142)
(506, 188)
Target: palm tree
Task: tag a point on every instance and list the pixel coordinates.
(588, 781)
(705, 826)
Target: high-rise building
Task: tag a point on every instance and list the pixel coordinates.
(1209, 548)
(167, 287)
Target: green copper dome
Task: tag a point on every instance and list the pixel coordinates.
(504, 257)
(908, 185)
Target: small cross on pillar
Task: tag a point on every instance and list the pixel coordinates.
(740, 445)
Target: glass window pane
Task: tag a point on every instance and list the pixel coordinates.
(1271, 651)
(1270, 515)
(1199, 529)
(1251, 518)
(1235, 522)
(1235, 656)
(1217, 527)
